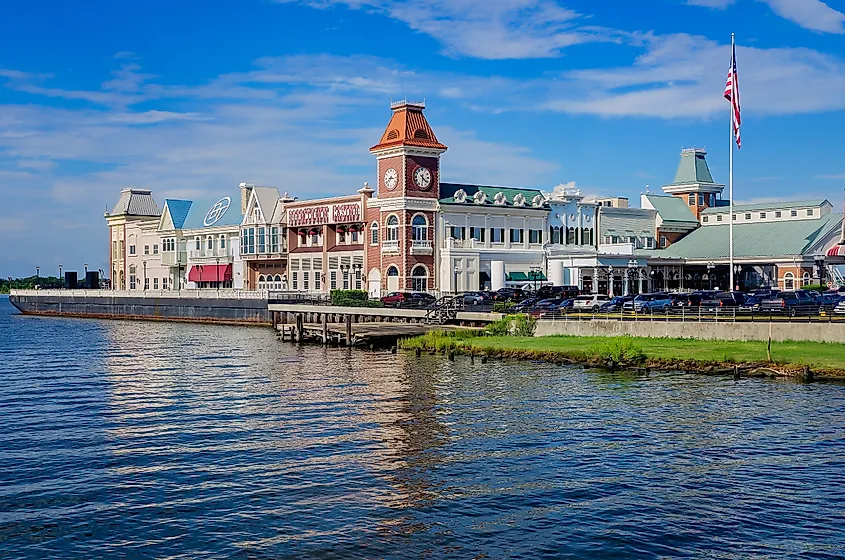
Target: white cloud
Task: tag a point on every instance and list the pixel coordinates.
(837, 177)
(809, 14)
(490, 29)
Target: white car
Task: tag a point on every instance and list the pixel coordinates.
(840, 308)
(591, 302)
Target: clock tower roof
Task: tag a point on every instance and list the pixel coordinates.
(408, 127)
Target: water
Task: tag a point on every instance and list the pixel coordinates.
(129, 439)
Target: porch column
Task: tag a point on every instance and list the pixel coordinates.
(497, 275)
(640, 278)
(595, 280)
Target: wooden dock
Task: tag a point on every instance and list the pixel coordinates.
(352, 334)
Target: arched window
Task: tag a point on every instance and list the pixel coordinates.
(419, 278)
(374, 234)
(277, 282)
(209, 243)
(570, 236)
(222, 241)
(393, 271)
(556, 235)
(788, 281)
(197, 243)
(419, 228)
(805, 281)
(392, 227)
(262, 282)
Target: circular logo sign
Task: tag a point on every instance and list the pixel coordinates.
(217, 211)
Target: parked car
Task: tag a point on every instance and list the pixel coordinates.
(592, 302)
(840, 308)
(546, 308)
(567, 304)
(525, 305)
(829, 300)
(563, 292)
(795, 302)
(752, 304)
(646, 303)
(474, 298)
(407, 299)
(615, 304)
(721, 300)
(694, 299)
(509, 294)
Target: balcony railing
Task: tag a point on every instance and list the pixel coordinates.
(173, 258)
(390, 246)
(215, 253)
(421, 247)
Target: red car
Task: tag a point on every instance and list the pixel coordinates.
(407, 299)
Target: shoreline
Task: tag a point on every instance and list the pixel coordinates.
(619, 353)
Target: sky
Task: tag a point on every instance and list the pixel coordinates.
(191, 98)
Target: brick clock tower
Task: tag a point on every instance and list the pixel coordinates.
(408, 167)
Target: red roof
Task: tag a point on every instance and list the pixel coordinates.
(408, 127)
(210, 273)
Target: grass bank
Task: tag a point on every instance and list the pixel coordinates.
(826, 360)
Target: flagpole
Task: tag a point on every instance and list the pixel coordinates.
(731, 182)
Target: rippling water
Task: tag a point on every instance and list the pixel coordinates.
(131, 439)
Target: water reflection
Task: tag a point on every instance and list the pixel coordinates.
(185, 441)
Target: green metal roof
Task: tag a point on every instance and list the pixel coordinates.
(692, 168)
(760, 239)
(523, 277)
(784, 205)
(672, 209)
(448, 190)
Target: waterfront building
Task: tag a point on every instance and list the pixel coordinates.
(134, 244)
(263, 237)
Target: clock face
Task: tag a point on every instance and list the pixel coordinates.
(391, 178)
(422, 177)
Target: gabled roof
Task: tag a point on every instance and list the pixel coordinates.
(408, 127)
(136, 202)
(266, 197)
(178, 211)
(692, 168)
(672, 209)
(448, 191)
(784, 205)
(196, 218)
(757, 239)
(621, 221)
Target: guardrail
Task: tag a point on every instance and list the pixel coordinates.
(696, 315)
(209, 293)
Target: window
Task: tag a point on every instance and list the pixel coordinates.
(209, 243)
(146, 283)
(719, 218)
(705, 219)
(374, 234)
(748, 216)
(762, 215)
(315, 239)
(317, 280)
(516, 235)
(256, 215)
(587, 236)
(357, 278)
(419, 279)
(333, 280)
(294, 277)
(477, 233)
(146, 249)
(497, 235)
(555, 235)
(197, 243)
(354, 234)
(341, 237)
(248, 241)
(805, 280)
(262, 240)
(345, 279)
(392, 229)
(155, 249)
(701, 200)
(419, 228)
(692, 200)
(794, 213)
(223, 242)
(734, 217)
(788, 281)
(570, 236)
(457, 232)
(778, 214)
(535, 236)
(305, 280)
(809, 211)
(155, 283)
(133, 282)
(274, 240)
(664, 242)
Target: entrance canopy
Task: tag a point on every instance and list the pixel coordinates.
(210, 273)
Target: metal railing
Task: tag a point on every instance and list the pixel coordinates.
(210, 293)
(810, 314)
(215, 253)
(390, 246)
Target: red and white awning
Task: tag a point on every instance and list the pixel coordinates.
(837, 251)
(210, 273)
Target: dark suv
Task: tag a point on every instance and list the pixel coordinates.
(562, 292)
(509, 294)
(796, 302)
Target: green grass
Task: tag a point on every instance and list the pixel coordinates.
(636, 350)
(815, 354)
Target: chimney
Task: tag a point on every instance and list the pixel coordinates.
(246, 191)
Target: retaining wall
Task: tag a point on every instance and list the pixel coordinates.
(814, 332)
(205, 310)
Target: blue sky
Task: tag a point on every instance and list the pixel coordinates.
(190, 98)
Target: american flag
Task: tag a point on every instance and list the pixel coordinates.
(732, 95)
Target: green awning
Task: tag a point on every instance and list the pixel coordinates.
(523, 277)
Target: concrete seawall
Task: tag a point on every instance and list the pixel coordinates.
(203, 310)
(815, 332)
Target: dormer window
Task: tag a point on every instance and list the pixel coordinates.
(748, 216)
(794, 213)
(809, 211)
(256, 214)
(705, 219)
(762, 215)
(778, 214)
(719, 218)
(692, 200)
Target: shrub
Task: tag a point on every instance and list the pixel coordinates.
(353, 298)
(502, 327)
(817, 287)
(503, 306)
(515, 325)
(617, 351)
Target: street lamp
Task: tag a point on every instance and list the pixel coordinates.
(145, 276)
(534, 273)
(710, 266)
(610, 281)
(85, 267)
(456, 270)
(633, 264)
(37, 277)
(61, 282)
(217, 275)
(199, 269)
(737, 270)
